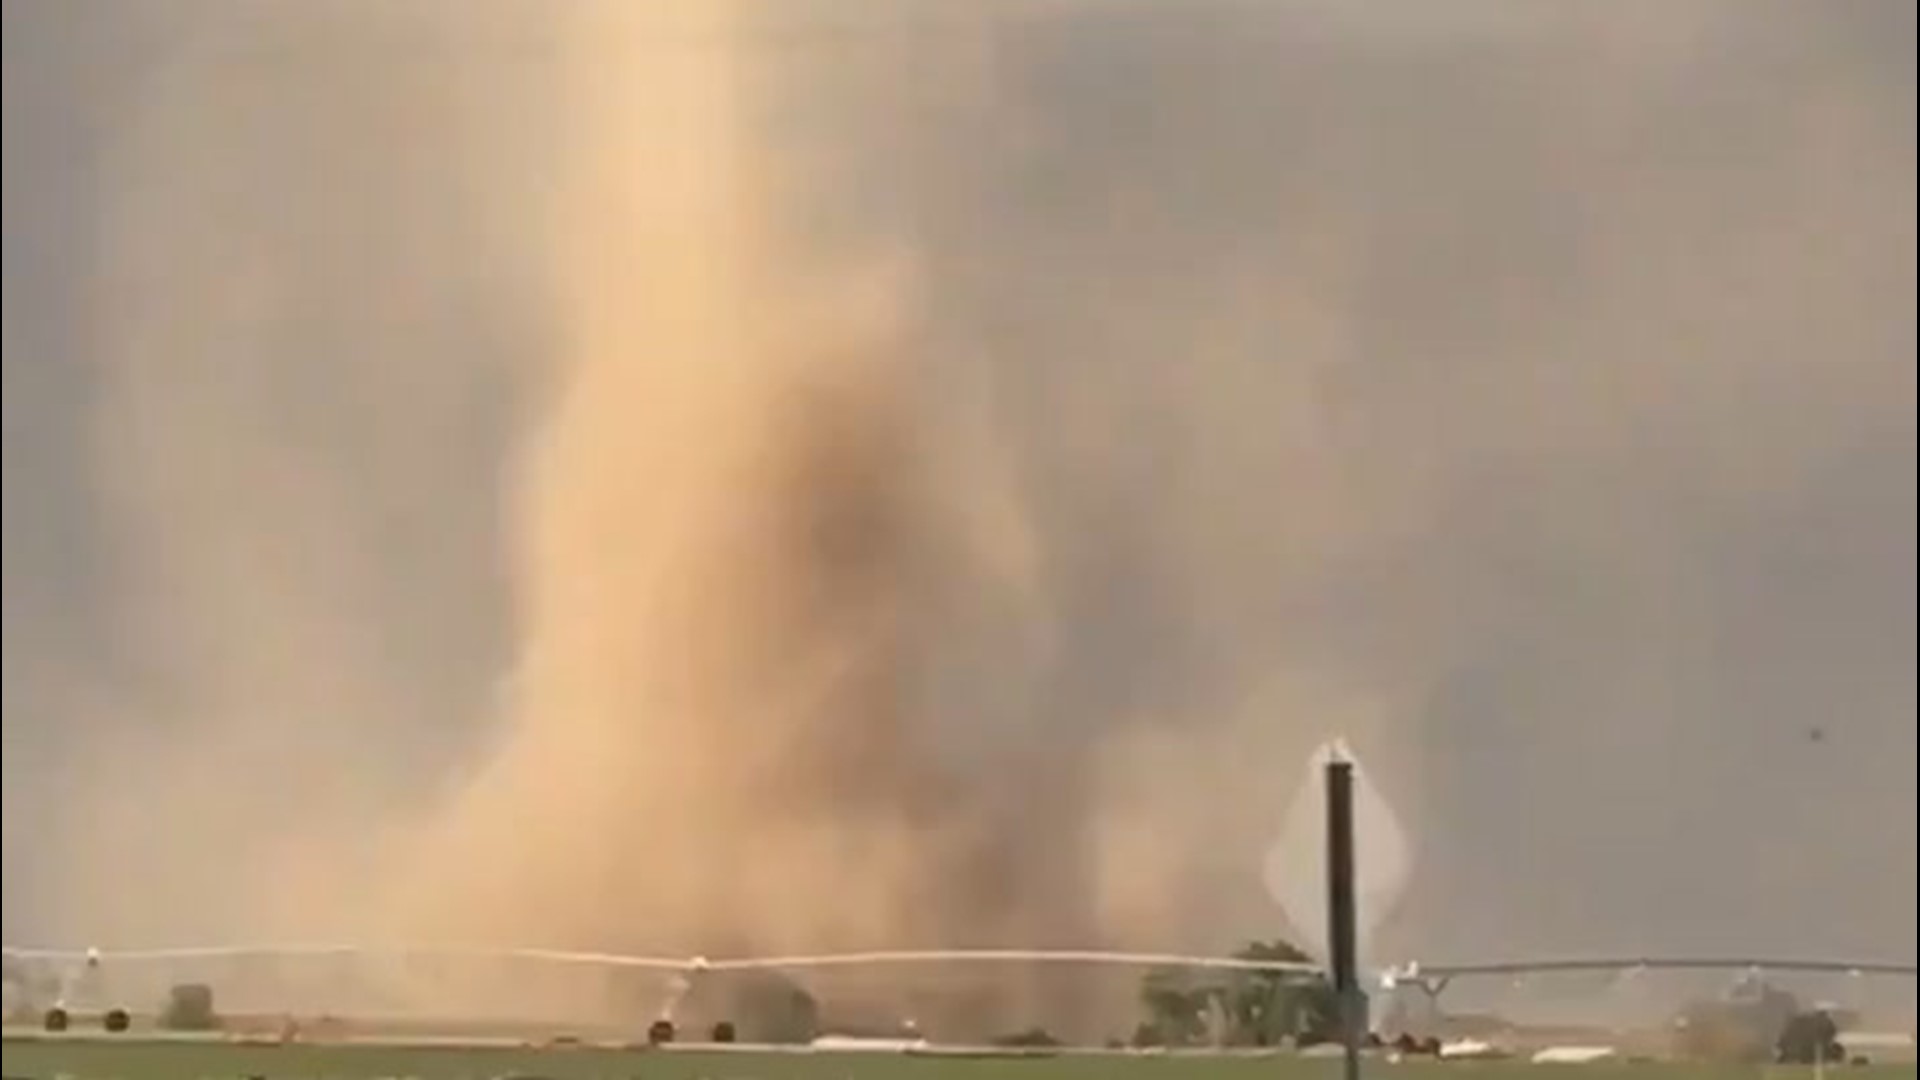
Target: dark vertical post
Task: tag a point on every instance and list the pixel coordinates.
(1342, 945)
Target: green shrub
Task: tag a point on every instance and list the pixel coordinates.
(1032, 1037)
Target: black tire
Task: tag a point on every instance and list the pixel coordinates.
(660, 1033)
(116, 1021)
(723, 1032)
(56, 1019)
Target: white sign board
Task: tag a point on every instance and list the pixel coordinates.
(1296, 865)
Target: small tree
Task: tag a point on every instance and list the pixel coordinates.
(1744, 1027)
(1809, 1038)
(1176, 1007)
(189, 1007)
(1259, 1007)
(1269, 1006)
(769, 1007)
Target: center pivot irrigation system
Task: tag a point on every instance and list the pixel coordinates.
(78, 967)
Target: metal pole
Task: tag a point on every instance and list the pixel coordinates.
(1341, 922)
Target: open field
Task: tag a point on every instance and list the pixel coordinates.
(161, 1060)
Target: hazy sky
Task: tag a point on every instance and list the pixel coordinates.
(1525, 389)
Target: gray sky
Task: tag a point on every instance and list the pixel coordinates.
(1526, 389)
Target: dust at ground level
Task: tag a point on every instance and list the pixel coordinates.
(182, 1061)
